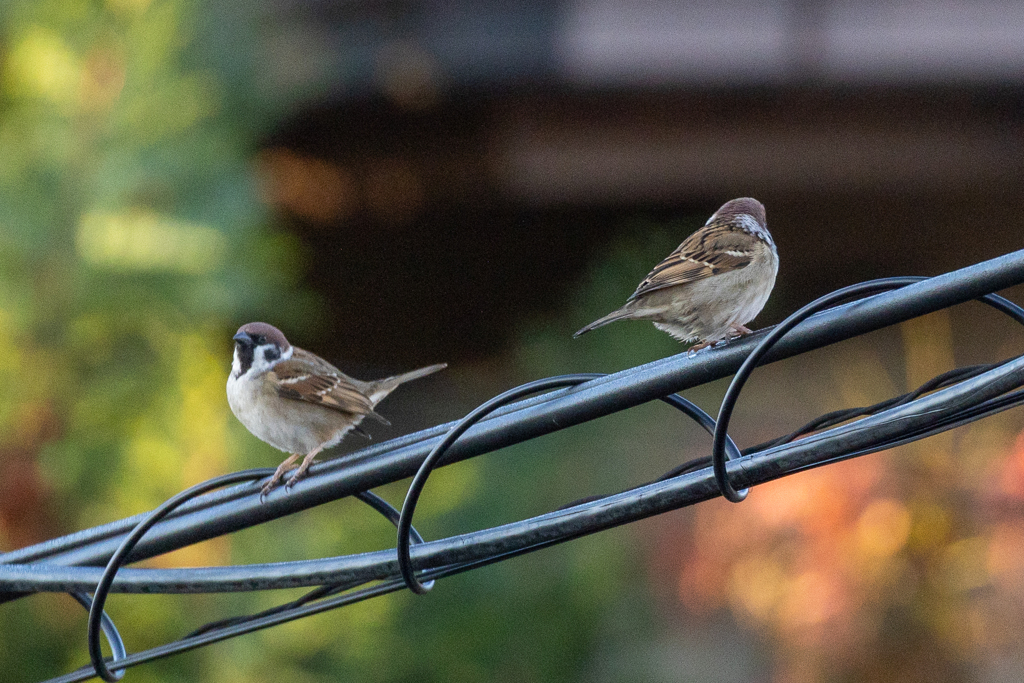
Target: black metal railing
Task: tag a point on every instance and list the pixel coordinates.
(92, 560)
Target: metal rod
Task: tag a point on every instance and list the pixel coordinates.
(237, 508)
(862, 436)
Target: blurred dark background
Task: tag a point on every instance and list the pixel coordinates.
(491, 152)
(402, 183)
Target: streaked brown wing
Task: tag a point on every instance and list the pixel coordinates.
(710, 251)
(316, 381)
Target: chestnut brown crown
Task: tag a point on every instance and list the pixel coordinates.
(262, 333)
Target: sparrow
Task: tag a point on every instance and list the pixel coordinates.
(713, 284)
(296, 401)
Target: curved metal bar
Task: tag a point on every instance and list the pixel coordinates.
(98, 618)
(393, 515)
(120, 556)
(702, 418)
(978, 397)
(985, 408)
(368, 497)
(117, 648)
(389, 511)
(222, 512)
(908, 419)
(743, 374)
(420, 479)
(412, 496)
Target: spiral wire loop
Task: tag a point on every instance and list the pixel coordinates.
(117, 648)
(959, 396)
(419, 481)
(871, 287)
(120, 556)
(98, 618)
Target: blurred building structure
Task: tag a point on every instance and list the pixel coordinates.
(524, 132)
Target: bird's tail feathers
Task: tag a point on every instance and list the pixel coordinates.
(416, 374)
(383, 387)
(601, 322)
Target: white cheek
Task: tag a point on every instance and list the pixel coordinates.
(236, 365)
(260, 364)
(259, 361)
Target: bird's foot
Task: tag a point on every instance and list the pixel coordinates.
(301, 472)
(272, 484)
(278, 475)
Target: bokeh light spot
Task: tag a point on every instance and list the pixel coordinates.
(42, 65)
(144, 240)
(883, 527)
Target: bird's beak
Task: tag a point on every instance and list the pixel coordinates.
(243, 337)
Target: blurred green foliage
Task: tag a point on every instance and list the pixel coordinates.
(132, 240)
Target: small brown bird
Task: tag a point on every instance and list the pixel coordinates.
(712, 285)
(296, 401)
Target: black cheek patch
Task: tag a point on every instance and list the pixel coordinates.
(245, 357)
(271, 354)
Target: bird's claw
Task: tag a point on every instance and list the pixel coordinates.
(300, 473)
(283, 468)
(271, 485)
(697, 348)
(268, 487)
